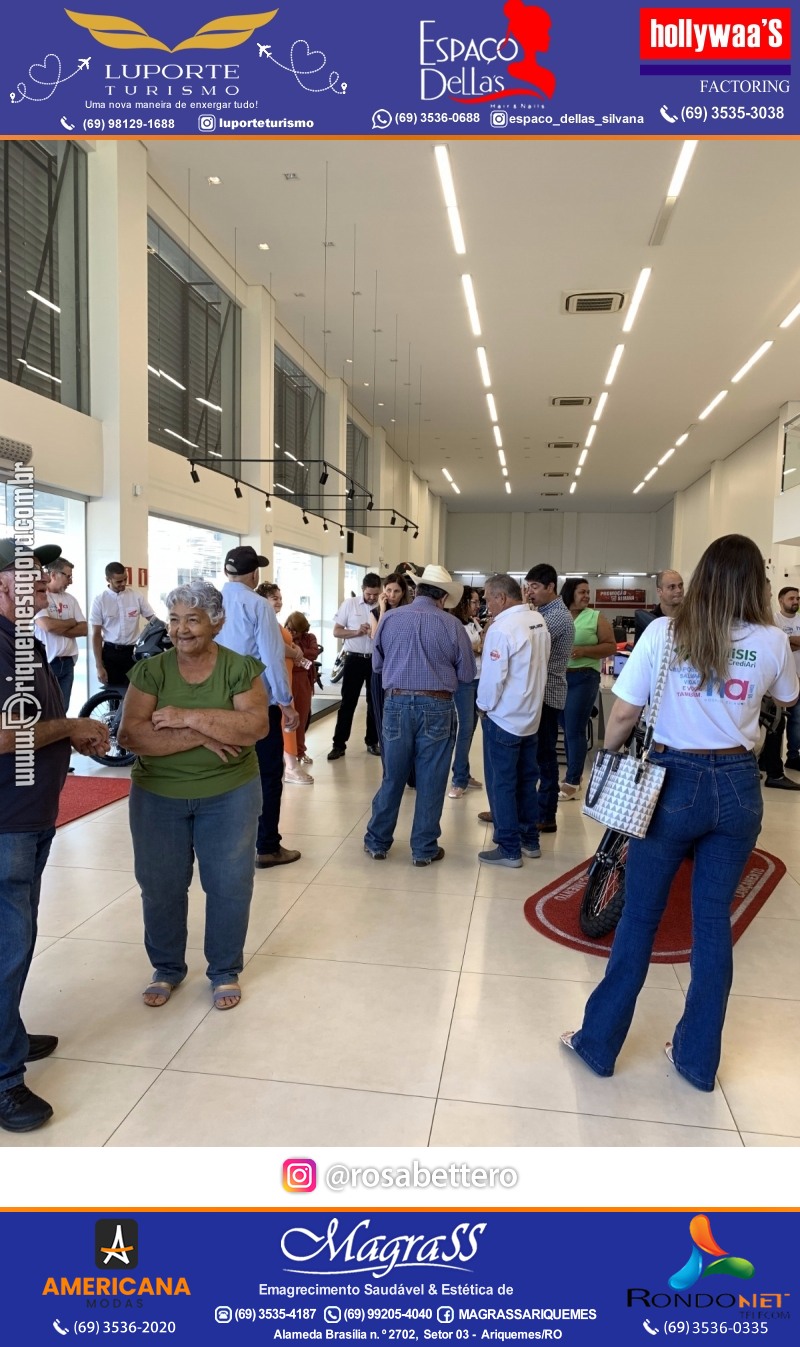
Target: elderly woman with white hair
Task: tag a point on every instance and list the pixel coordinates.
(193, 715)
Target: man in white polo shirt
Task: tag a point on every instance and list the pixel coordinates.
(352, 625)
(59, 624)
(788, 619)
(114, 619)
(511, 692)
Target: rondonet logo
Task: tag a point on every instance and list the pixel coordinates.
(360, 1251)
(720, 34)
(113, 31)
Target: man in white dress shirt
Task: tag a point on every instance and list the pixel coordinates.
(114, 619)
(352, 625)
(59, 624)
(511, 692)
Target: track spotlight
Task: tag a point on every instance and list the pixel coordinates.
(341, 531)
(405, 528)
(416, 533)
(370, 504)
(305, 517)
(324, 526)
(267, 504)
(393, 521)
(195, 474)
(323, 477)
(237, 491)
(351, 492)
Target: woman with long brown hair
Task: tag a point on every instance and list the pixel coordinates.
(727, 654)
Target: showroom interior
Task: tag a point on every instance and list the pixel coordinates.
(350, 354)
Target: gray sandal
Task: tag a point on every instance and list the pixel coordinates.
(163, 990)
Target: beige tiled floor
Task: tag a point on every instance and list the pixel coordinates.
(388, 1005)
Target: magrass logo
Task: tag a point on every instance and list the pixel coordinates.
(113, 31)
(116, 1243)
(695, 1267)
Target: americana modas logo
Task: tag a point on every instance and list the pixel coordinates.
(696, 1266)
(113, 31)
(116, 1243)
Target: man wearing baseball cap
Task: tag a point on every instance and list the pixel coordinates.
(35, 739)
(423, 654)
(251, 628)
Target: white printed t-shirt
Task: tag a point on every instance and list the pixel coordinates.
(720, 714)
(791, 625)
(61, 606)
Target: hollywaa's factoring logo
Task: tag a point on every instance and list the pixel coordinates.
(113, 31)
(463, 66)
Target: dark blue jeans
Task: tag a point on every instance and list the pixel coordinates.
(547, 757)
(467, 716)
(418, 733)
(714, 805)
(167, 835)
(512, 769)
(23, 857)
(64, 670)
(269, 752)
(582, 685)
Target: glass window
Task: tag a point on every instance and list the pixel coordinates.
(178, 552)
(791, 453)
(357, 471)
(299, 575)
(60, 520)
(44, 316)
(299, 411)
(193, 360)
(353, 579)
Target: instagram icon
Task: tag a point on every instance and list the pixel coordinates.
(299, 1176)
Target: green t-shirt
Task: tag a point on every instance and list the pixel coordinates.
(585, 634)
(197, 773)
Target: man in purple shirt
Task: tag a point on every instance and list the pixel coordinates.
(423, 654)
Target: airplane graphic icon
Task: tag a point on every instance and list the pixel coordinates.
(264, 50)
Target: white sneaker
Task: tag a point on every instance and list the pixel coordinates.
(567, 792)
(456, 792)
(306, 760)
(294, 777)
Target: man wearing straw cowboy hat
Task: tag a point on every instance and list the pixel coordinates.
(423, 654)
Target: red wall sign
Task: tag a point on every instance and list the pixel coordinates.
(604, 597)
(142, 577)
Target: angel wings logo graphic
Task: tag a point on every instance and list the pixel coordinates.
(113, 31)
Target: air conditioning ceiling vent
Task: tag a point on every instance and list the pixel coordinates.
(570, 402)
(555, 474)
(594, 301)
(562, 444)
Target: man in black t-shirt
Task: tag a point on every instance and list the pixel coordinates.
(35, 741)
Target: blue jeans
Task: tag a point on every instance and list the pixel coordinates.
(167, 835)
(23, 857)
(582, 685)
(418, 733)
(713, 804)
(63, 668)
(547, 757)
(467, 715)
(512, 769)
(269, 752)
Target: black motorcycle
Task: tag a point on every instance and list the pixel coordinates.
(106, 705)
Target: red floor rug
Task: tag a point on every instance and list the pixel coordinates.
(84, 794)
(553, 911)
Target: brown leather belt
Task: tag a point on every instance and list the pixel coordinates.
(419, 692)
(701, 752)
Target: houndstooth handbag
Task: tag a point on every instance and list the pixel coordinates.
(623, 790)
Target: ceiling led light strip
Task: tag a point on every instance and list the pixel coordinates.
(472, 307)
(681, 169)
(748, 365)
(484, 364)
(449, 192)
(636, 298)
(712, 404)
(614, 366)
(601, 403)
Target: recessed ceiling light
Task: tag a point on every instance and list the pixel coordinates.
(583, 458)
(681, 168)
(366, 385)
(214, 181)
(572, 488)
(484, 364)
(601, 402)
(667, 455)
(457, 489)
(790, 317)
(264, 247)
(748, 365)
(291, 177)
(381, 404)
(498, 439)
(650, 474)
(681, 440)
(504, 471)
(712, 404)
(590, 436)
(636, 298)
(491, 405)
(638, 488)
(614, 366)
(502, 457)
(446, 474)
(472, 307)
(508, 488)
